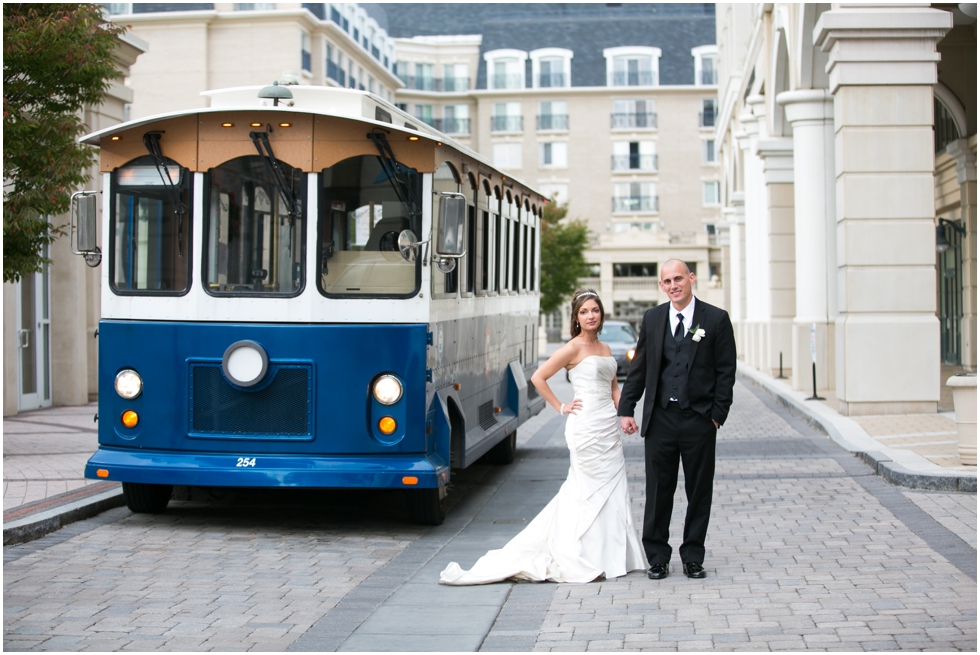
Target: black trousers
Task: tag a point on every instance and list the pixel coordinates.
(674, 434)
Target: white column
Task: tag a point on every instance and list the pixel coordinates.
(882, 67)
(734, 279)
(777, 158)
(756, 243)
(811, 113)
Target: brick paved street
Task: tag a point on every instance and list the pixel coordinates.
(807, 549)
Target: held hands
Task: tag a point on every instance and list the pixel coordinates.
(628, 424)
(571, 408)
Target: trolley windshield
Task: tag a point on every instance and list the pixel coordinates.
(362, 212)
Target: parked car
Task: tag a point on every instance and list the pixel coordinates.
(622, 342)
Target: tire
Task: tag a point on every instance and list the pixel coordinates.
(504, 452)
(147, 498)
(425, 507)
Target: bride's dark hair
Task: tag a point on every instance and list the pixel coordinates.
(578, 299)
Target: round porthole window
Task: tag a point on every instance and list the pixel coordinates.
(245, 363)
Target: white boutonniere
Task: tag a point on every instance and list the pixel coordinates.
(696, 332)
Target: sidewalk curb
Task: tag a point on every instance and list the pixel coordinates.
(34, 526)
(890, 463)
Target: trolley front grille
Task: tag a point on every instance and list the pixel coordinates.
(487, 419)
(281, 408)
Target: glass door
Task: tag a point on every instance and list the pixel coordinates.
(950, 297)
(34, 341)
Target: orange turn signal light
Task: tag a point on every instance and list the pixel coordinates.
(102, 473)
(410, 479)
(387, 425)
(130, 418)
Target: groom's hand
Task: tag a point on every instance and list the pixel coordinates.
(628, 424)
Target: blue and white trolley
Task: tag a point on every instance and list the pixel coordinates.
(307, 287)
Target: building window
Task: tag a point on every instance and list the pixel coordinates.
(551, 68)
(403, 106)
(710, 193)
(633, 114)
(401, 71)
(635, 270)
(707, 115)
(455, 77)
(116, 8)
(635, 197)
(554, 155)
(705, 65)
(455, 119)
(505, 69)
(632, 66)
(552, 115)
(424, 80)
(556, 192)
(507, 155)
(424, 114)
(306, 59)
(506, 117)
(634, 156)
(708, 151)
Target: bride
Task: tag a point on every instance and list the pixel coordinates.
(586, 531)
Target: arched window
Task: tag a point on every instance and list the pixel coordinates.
(444, 180)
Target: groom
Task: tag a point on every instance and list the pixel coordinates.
(685, 361)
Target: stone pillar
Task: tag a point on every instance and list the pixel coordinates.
(777, 158)
(734, 279)
(882, 66)
(756, 243)
(811, 113)
(69, 321)
(966, 176)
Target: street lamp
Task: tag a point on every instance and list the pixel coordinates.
(942, 243)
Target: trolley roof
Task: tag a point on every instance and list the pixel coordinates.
(319, 100)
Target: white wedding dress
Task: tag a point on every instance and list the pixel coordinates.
(586, 531)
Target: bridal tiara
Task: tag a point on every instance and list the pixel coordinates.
(586, 293)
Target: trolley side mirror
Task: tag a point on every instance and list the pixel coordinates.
(84, 221)
(452, 219)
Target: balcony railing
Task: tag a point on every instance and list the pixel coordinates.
(551, 80)
(506, 123)
(647, 119)
(450, 84)
(506, 81)
(632, 78)
(636, 204)
(552, 121)
(453, 125)
(633, 162)
(420, 83)
(428, 120)
(635, 284)
(706, 118)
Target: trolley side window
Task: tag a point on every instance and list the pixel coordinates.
(253, 231)
(150, 228)
(361, 215)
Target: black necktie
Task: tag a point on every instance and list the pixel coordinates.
(679, 332)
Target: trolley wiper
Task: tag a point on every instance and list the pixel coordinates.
(261, 140)
(398, 174)
(151, 141)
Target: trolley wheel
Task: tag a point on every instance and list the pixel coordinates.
(425, 507)
(504, 452)
(147, 498)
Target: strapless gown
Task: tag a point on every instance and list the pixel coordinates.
(587, 530)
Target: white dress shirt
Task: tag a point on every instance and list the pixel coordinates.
(687, 313)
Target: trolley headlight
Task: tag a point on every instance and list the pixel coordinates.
(129, 384)
(387, 390)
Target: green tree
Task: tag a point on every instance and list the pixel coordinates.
(563, 245)
(57, 59)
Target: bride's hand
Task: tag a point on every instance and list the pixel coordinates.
(572, 407)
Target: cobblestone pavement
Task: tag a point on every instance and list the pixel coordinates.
(807, 549)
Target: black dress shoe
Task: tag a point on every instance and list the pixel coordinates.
(657, 572)
(694, 570)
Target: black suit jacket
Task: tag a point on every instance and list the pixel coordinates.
(711, 368)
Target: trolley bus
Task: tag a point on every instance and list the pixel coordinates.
(306, 287)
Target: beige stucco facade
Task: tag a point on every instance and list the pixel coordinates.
(836, 173)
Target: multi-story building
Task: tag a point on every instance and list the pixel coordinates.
(848, 138)
(200, 46)
(610, 108)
